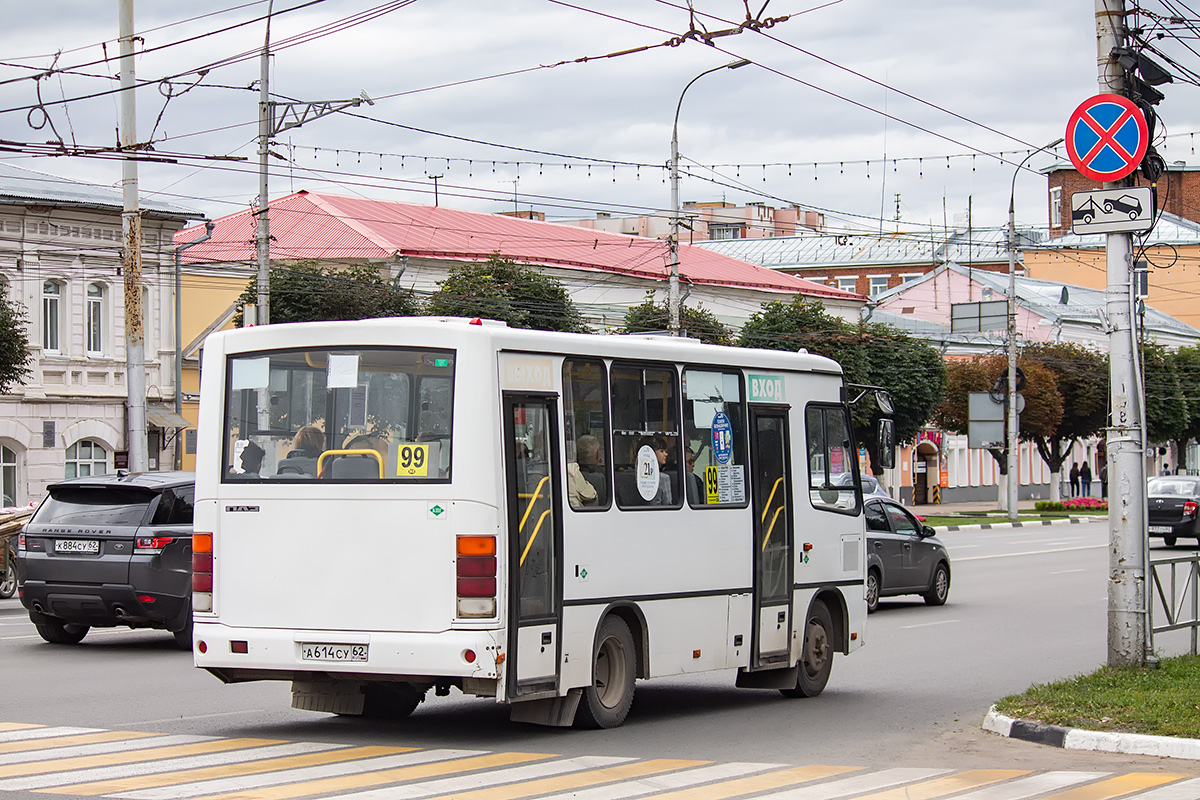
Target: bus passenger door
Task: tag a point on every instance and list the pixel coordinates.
(534, 536)
(772, 537)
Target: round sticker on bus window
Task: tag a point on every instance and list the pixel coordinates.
(647, 473)
(722, 438)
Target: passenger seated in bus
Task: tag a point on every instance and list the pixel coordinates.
(694, 483)
(307, 446)
(309, 442)
(580, 493)
(591, 464)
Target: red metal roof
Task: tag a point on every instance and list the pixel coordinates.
(318, 226)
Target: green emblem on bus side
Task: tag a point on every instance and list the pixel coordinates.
(437, 511)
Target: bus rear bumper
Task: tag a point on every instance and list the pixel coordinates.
(248, 654)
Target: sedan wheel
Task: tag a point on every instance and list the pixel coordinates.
(872, 590)
(939, 590)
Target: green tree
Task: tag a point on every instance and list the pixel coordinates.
(503, 290)
(309, 292)
(1082, 378)
(14, 344)
(1167, 407)
(911, 369)
(1187, 366)
(697, 322)
(1043, 403)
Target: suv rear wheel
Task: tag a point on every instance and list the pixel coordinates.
(183, 636)
(55, 631)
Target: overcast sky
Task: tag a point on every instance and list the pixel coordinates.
(1004, 76)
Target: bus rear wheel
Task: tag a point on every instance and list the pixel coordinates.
(390, 700)
(816, 659)
(607, 701)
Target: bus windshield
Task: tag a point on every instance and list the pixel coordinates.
(339, 414)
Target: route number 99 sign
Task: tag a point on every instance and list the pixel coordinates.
(412, 461)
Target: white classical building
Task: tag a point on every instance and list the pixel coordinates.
(60, 258)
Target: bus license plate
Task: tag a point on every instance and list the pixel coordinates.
(333, 652)
(77, 546)
(1160, 528)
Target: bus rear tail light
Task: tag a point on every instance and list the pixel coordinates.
(202, 571)
(475, 573)
(1190, 507)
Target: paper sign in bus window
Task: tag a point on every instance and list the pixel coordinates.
(722, 437)
(251, 373)
(343, 371)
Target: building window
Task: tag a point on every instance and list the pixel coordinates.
(1056, 207)
(95, 319)
(909, 278)
(86, 458)
(718, 232)
(879, 285)
(848, 284)
(51, 320)
(8, 477)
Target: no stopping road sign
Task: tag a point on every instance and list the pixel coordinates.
(1107, 137)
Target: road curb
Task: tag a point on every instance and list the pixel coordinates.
(991, 526)
(1101, 741)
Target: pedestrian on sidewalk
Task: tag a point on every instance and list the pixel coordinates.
(1074, 474)
(1085, 480)
(1104, 480)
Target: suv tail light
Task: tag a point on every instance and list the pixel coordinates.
(149, 545)
(1190, 507)
(475, 571)
(202, 571)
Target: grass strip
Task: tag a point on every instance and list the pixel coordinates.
(1159, 702)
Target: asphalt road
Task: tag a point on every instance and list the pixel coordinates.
(1026, 605)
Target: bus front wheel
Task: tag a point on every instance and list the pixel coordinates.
(816, 659)
(607, 701)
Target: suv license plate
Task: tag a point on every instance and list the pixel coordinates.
(333, 652)
(76, 546)
(1160, 528)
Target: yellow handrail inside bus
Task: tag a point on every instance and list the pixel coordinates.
(541, 519)
(532, 500)
(767, 538)
(373, 453)
(774, 489)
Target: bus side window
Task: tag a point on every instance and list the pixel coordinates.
(831, 459)
(646, 447)
(585, 429)
(714, 447)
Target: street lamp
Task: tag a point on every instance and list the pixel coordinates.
(673, 242)
(1014, 483)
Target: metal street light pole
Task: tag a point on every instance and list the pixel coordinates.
(1013, 484)
(208, 229)
(673, 241)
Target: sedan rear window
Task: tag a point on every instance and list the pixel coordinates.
(94, 505)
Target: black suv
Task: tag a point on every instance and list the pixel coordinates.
(110, 550)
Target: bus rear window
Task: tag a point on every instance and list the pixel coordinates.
(348, 415)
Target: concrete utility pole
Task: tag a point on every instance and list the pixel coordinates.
(263, 237)
(131, 253)
(673, 323)
(1126, 442)
(208, 229)
(292, 115)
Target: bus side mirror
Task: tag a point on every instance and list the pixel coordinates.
(886, 443)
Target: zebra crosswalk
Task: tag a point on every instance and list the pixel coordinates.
(136, 765)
